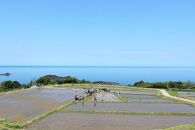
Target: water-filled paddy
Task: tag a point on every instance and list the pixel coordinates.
(183, 94)
(144, 97)
(138, 96)
(78, 121)
(24, 105)
(138, 92)
(149, 100)
(132, 107)
(106, 97)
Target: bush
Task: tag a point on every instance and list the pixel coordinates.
(45, 81)
(166, 85)
(8, 85)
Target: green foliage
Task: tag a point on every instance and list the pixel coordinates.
(45, 81)
(53, 79)
(84, 81)
(166, 85)
(105, 83)
(142, 84)
(70, 79)
(9, 85)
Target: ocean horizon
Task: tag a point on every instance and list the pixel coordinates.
(121, 74)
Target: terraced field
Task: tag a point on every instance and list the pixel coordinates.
(137, 102)
(24, 105)
(186, 95)
(140, 110)
(132, 107)
(85, 121)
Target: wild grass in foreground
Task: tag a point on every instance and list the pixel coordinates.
(182, 127)
(5, 125)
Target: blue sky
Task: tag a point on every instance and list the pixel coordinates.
(97, 32)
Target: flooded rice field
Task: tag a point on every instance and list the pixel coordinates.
(141, 98)
(106, 97)
(132, 107)
(77, 121)
(138, 96)
(184, 94)
(138, 92)
(24, 105)
(149, 100)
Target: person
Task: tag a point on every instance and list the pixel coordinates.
(95, 99)
(92, 90)
(76, 97)
(118, 93)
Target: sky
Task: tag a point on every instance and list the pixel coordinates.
(97, 32)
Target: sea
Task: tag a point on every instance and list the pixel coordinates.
(123, 75)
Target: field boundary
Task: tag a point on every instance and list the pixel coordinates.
(130, 113)
(166, 94)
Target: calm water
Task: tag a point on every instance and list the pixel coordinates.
(122, 75)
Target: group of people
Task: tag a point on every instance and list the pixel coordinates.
(90, 91)
(117, 92)
(77, 97)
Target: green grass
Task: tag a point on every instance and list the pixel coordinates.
(5, 125)
(189, 97)
(172, 93)
(182, 127)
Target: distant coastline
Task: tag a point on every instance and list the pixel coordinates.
(88, 66)
(120, 74)
(5, 74)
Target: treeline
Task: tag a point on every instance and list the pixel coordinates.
(166, 85)
(105, 83)
(12, 85)
(53, 79)
(48, 80)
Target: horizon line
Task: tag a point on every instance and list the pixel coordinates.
(101, 66)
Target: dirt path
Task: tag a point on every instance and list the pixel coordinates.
(166, 94)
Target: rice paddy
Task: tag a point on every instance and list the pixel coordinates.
(132, 109)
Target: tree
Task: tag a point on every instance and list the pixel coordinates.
(44, 81)
(8, 85)
(139, 83)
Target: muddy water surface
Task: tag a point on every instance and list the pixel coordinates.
(132, 107)
(191, 94)
(138, 92)
(144, 98)
(79, 121)
(26, 104)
